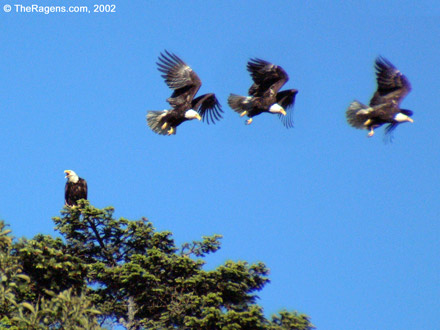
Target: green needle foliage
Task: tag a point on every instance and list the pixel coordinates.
(108, 272)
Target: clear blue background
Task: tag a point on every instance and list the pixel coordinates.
(348, 225)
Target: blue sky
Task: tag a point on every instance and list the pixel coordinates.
(348, 225)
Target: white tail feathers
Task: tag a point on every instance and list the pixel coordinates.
(239, 103)
(154, 121)
(357, 114)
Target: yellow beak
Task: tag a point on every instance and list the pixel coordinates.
(198, 117)
(283, 112)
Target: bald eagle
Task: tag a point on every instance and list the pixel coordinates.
(384, 108)
(264, 95)
(76, 188)
(185, 84)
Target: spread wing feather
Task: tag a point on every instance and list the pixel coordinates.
(392, 85)
(179, 77)
(287, 100)
(265, 75)
(208, 107)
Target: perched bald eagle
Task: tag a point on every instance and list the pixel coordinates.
(76, 188)
(384, 108)
(264, 95)
(185, 84)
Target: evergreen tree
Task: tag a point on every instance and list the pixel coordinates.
(109, 271)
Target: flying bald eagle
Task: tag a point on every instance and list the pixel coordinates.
(392, 87)
(264, 95)
(76, 188)
(185, 84)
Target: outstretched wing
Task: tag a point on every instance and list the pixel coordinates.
(208, 107)
(179, 77)
(392, 85)
(265, 75)
(287, 100)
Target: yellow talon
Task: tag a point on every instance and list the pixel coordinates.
(249, 121)
(244, 113)
(171, 131)
(368, 122)
(371, 133)
(164, 125)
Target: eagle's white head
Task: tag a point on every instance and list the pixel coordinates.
(192, 114)
(276, 108)
(401, 118)
(71, 176)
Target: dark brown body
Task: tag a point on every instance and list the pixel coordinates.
(185, 84)
(264, 92)
(75, 191)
